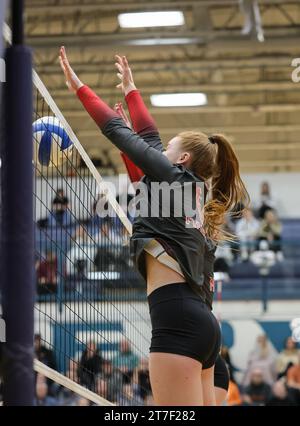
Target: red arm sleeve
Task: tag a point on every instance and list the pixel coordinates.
(144, 125)
(142, 120)
(100, 112)
(134, 172)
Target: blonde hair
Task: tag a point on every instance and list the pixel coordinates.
(214, 158)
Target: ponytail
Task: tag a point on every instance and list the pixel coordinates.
(213, 159)
(227, 189)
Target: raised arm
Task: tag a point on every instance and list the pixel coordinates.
(134, 172)
(152, 162)
(142, 121)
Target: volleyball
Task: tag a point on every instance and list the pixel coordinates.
(52, 143)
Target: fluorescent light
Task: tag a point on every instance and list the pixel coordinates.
(178, 99)
(163, 41)
(151, 19)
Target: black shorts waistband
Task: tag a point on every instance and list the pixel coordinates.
(172, 291)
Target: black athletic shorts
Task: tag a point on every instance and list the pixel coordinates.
(221, 376)
(183, 324)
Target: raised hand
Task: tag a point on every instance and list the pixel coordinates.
(124, 74)
(72, 81)
(120, 110)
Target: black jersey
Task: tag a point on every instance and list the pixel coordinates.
(192, 250)
(188, 245)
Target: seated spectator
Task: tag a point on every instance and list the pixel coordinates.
(287, 357)
(263, 358)
(80, 259)
(293, 376)
(42, 353)
(46, 274)
(110, 251)
(128, 397)
(258, 391)
(280, 395)
(90, 365)
(142, 379)
(41, 393)
(60, 215)
(246, 230)
(266, 201)
(126, 361)
(270, 231)
(114, 379)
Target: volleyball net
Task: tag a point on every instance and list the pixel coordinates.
(91, 318)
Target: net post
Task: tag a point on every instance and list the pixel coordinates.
(17, 220)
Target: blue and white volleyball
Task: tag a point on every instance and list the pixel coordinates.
(52, 143)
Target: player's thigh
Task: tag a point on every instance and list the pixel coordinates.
(208, 388)
(175, 379)
(220, 395)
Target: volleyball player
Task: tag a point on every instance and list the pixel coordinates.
(139, 114)
(185, 334)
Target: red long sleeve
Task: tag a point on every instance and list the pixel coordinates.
(141, 119)
(134, 172)
(100, 112)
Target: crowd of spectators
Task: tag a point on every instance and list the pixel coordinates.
(74, 248)
(270, 378)
(256, 233)
(123, 379)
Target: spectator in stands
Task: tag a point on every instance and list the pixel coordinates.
(246, 230)
(262, 357)
(126, 360)
(287, 357)
(41, 393)
(111, 253)
(90, 365)
(270, 231)
(258, 391)
(60, 215)
(46, 274)
(114, 379)
(141, 378)
(80, 259)
(42, 353)
(94, 221)
(293, 376)
(226, 250)
(280, 395)
(266, 201)
(128, 397)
